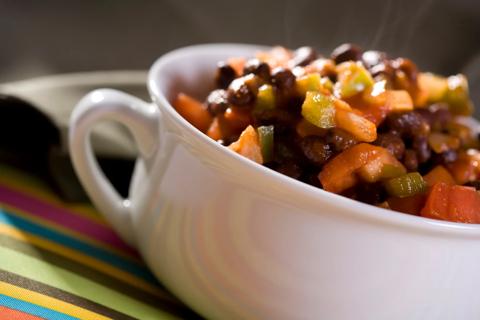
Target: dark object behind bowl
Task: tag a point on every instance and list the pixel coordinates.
(30, 141)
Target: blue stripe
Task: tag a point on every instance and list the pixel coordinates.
(33, 309)
(98, 253)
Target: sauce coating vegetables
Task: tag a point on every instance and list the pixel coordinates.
(357, 123)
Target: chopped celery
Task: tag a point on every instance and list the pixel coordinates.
(406, 185)
(457, 95)
(392, 171)
(265, 137)
(353, 78)
(265, 98)
(319, 110)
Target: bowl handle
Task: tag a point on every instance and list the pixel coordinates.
(141, 119)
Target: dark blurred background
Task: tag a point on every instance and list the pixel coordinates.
(45, 37)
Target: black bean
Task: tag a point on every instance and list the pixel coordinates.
(346, 52)
(303, 56)
(420, 145)
(290, 169)
(410, 160)
(258, 68)
(437, 115)
(444, 157)
(283, 79)
(392, 143)
(371, 193)
(217, 101)
(240, 93)
(225, 75)
(372, 58)
(340, 139)
(408, 124)
(383, 68)
(316, 150)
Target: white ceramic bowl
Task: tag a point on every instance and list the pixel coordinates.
(236, 240)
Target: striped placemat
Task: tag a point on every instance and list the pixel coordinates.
(63, 261)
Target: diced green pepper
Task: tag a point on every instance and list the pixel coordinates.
(457, 95)
(319, 110)
(353, 78)
(265, 98)
(407, 185)
(265, 136)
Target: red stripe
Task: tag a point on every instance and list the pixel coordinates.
(12, 314)
(62, 217)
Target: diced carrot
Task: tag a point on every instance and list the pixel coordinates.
(452, 203)
(193, 111)
(339, 173)
(372, 107)
(383, 166)
(411, 205)
(276, 57)
(438, 174)
(466, 168)
(237, 119)
(248, 145)
(237, 63)
(214, 131)
(398, 100)
(361, 128)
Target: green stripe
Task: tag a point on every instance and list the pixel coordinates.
(54, 276)
(168, 302)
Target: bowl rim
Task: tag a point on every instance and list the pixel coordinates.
(349, 207)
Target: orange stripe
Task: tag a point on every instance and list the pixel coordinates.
(12, 314)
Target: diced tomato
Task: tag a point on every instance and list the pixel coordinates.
(452, 203)
(193, 111)
(438, 174)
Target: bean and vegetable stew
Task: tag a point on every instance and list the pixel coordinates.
(358, 123)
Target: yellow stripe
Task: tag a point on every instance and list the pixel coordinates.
(48, 302)
(80, 258)
(39, 193)
(70, 232)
